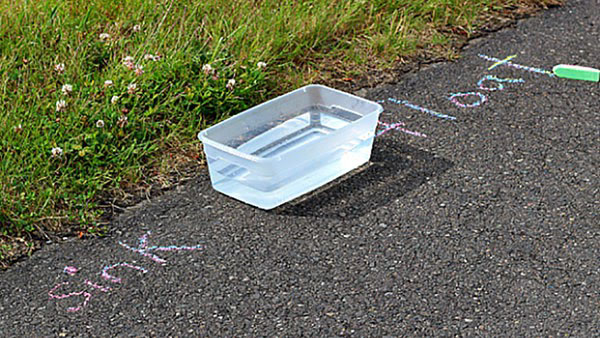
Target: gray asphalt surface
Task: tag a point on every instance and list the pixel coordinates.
(487, 227)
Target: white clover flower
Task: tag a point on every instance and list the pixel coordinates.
(114, 99)
(61, 105)
(122, 122)
(128, 62)
(150, 57)
(132, 88)
(56, 152)
(207, 69)
(99, 124)
(261, 65)
(59, 68)
(67, 89)
(108, 83)
(139, 70)
(230, 84)
(137, 28)
(104, 36)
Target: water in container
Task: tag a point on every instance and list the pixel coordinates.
(279, 155)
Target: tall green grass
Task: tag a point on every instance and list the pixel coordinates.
(175, 96)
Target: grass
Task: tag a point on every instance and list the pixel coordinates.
(59, 163)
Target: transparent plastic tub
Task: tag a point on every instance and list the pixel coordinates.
(291, 145)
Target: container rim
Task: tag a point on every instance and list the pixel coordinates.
(206, 140)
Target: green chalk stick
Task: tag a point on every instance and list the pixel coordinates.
(577, 72)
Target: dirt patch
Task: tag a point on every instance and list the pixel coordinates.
(333, 73)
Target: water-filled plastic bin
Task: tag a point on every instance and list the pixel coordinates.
(290, 145)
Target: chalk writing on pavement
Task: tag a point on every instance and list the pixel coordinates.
(469, 99)
(91, 289)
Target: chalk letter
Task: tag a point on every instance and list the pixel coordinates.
(113, 279)
(454, 100)
(421, 109)
(86, 295)
(505, 62)
(144, 250)
(499, 80)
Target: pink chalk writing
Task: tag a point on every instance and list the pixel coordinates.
(97, 287)
(87, 296)
(108, 274)
(398, 126)
(454, 99)
(113, 279)
(70, 270)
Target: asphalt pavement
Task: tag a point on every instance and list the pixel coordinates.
(488, 226)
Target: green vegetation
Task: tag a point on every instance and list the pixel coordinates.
(70, 138)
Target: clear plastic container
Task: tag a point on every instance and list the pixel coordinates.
(291, 145)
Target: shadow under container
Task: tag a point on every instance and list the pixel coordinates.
(291, 145)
